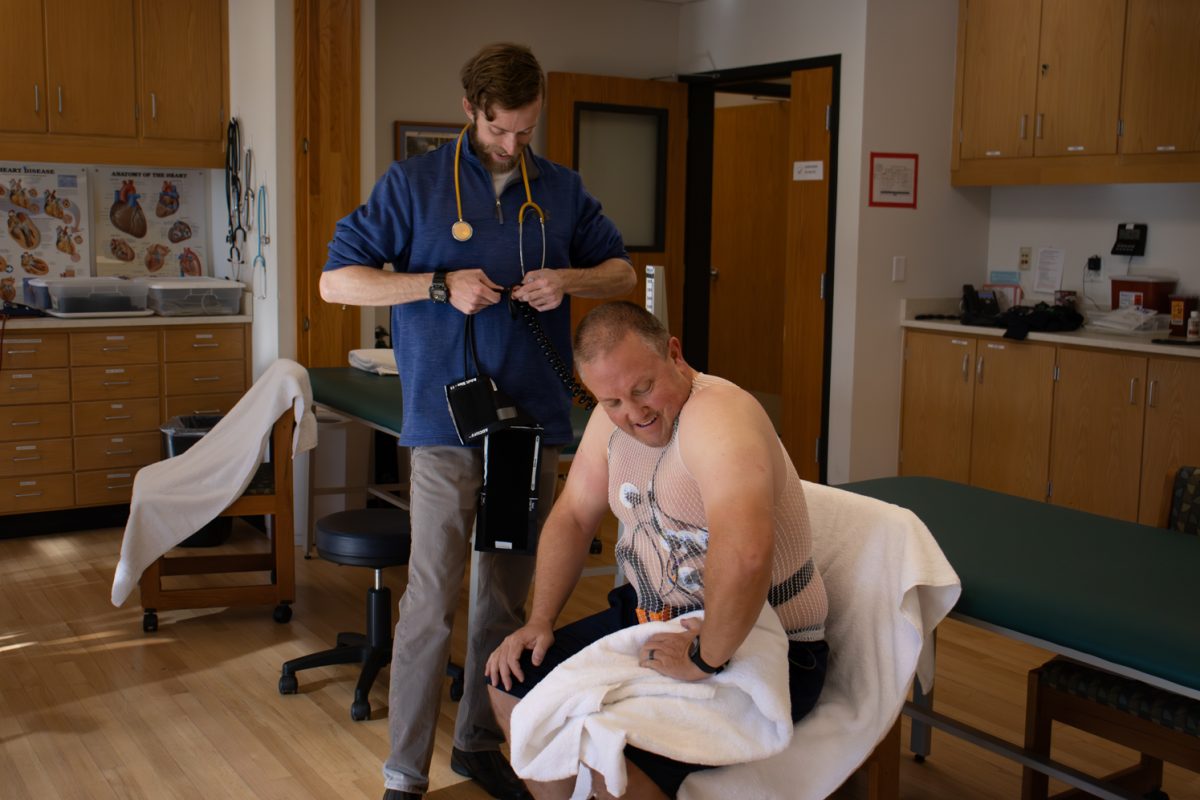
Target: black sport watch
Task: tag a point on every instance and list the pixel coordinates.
(438, 291)
(694, 655)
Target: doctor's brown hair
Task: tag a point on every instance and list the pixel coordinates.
(502, 75)
(605, 326)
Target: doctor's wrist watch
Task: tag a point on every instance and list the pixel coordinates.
(438, 291)
(701, 664)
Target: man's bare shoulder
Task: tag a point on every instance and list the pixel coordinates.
(721, 400)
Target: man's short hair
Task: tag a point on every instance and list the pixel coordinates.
(503, 75)
(605, 326)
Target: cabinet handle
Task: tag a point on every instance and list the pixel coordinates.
(966, 364)
(206, 378)
(205, 344)
(116, 349)
(117, 383)
(37, 99)
(1037, 130)
(21, 352)
(1024, 121)
(1150, 399)
(153, 106)
(60, 99)
(207, 411)
(28, 494)
(27, 458)
(979, 370)
(118, 452)
(25, 423)
(33, 388)
(118, 486)
(1133, 391)
(111, 419)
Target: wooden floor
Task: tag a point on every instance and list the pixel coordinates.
(92, 707)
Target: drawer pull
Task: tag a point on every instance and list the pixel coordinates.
(33, 388)
(207, 411)
(125, 416)
(206, 378)
(28, 494)
(117, 452)
(114, 349)
(205, 344)
(25, 423)
(118, 486)
(20, 352)
(27, 458)
(117, 383)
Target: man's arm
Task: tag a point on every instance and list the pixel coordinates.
(729, 446)
(562, 548)
(544, 288)
(470, 289)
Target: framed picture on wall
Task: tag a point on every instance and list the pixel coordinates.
(417, 138)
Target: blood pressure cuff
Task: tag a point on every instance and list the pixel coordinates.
(506, 517)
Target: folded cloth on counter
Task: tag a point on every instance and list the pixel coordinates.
(889, 585)
(174, 498)
(594, 703)
(380, 360)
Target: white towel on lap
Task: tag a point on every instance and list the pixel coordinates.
(889, 586)
(592, 705)
(174, 498)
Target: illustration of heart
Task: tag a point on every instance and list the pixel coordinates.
(54, 206)
(65, 243)
(126, 213)
(34, 265)
(121, 250)
(179, 231)
(168, 200)
(19, 196)
(189, 263)
(156, 257)
(23, 231)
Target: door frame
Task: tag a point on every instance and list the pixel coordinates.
(702, 89)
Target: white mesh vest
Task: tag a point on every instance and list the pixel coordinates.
(665, 538)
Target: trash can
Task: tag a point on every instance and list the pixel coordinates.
(180, 433)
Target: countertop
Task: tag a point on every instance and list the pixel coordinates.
(1139, 342)
(151, 321)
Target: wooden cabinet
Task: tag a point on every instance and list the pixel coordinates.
(1096, 445)
(1160, 95)
(1077, 91)
(977, 411)
(1172, 432)
(115, 82)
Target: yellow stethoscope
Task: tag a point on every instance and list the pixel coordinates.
(462, 230)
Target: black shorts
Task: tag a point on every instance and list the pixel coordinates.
(807, 662)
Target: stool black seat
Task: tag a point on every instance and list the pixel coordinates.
(376, 538)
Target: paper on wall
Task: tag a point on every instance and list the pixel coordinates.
(1049, 269)
(46, 230)
(150, 222)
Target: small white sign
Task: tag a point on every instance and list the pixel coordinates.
(808, 170)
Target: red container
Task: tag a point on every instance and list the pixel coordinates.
(1143, 290)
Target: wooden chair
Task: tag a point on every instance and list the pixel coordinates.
(272, 498)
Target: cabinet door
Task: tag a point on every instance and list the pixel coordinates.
(23, 67)
(935, 437)
(182, 69)
(999, 78)
(1079, 86)
(1010, 432)
(1160, 95)
(1172, 438)
(1096, 445)
(89, 63)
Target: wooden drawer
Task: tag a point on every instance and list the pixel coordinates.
(207, 344)
(115, 347)
(19, 423)
(35, 351)
(104, 487)
(35, 458)
(114, 383)
(109, 452)
(201, 404)
(205, 377)
(126, 416)
(35, 386)
(36, 494)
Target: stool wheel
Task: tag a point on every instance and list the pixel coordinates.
(1157, 794)
(288, 684)
(360, 710)
(456, 689)
(149, 622)
(917, 757)
(282, 613)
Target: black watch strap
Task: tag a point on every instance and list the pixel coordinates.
(438, 291)
(701, 664)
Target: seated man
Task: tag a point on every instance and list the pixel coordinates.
(714, 519)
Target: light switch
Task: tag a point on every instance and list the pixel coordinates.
(899, 264)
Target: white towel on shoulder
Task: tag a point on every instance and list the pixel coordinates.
(588, 708)
(174, 498)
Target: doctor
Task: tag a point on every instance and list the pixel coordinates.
(459, 225)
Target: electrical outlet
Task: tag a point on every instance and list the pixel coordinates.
(1025, 257)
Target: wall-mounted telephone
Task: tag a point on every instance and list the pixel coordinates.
(979, 307)
(1131, 239)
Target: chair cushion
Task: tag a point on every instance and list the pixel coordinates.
(1122, 694)
(365, 537)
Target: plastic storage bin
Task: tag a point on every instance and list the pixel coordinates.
(180, 433)
(189, 297)
(96, 295)
(36, 293)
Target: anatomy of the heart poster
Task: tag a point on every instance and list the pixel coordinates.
(150, 222)
(46, 230)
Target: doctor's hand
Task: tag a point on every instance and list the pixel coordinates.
(542, 288)
(471, 290)
(505, 661)
(667, 653)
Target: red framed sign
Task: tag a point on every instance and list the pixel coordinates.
(893, 180)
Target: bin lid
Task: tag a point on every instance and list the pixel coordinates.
(191, 283)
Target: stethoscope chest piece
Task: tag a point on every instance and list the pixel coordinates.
(462, 230)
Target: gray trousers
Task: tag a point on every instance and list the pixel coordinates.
(444, 485)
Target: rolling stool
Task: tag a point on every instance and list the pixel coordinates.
(369, 537)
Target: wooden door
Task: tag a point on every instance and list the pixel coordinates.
(1096, 444)
(564, 93)
(1010, 429)
(23, 67)
(90, 67)
(807, 279)
(327, 168)
(1079, 77)
(183, 85)
(936, 406)
(749, 215)
(998, 57)
(1172, 435)
(1160, 94)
